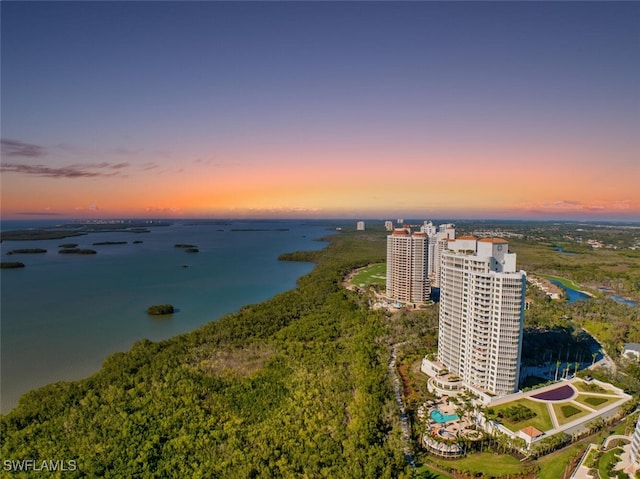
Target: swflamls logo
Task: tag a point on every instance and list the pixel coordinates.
(51, 465)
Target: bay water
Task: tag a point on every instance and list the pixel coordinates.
(63, 314)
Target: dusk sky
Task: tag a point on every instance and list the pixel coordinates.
(321, 109)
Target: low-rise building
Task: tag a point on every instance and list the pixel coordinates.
(632, 351)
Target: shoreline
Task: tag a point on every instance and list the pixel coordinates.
(125, 323)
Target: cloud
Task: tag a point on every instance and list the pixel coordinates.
(39, 213)
(13, 148)
(164, 210)
(124, 151)
(622, 204)
(564, 204)
(86, 170)
(90, 208)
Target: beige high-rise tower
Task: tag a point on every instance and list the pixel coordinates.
(407, 261)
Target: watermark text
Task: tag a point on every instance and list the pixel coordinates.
(50, 465)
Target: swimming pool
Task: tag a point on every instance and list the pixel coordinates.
(438, 417)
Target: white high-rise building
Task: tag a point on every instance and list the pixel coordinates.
(428, 228)
(388, 225)
(407, 260)
(481, 313)
(360, 226)
(437, 242)
(635, 448)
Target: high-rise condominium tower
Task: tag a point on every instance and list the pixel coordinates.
(438, 237)
(481, 313)
(635, 447)
(407, 260)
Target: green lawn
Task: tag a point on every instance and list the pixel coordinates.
(486, 463)
(590, 388)
(374, 274)
(425, 472)
(552, 466)
(541, 421)
(569, 283)
(595, 402)
(608, 458)
(567, 412)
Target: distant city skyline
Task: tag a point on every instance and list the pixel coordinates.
(527, 110)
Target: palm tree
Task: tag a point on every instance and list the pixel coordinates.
(558, 363)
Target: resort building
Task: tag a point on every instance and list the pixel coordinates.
(388, 225)
(360, 226)
(407, 260)
(481, 314)
(438, 237)
(631, 351)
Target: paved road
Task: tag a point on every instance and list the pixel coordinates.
(404, 420)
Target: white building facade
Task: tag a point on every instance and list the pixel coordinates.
(635, 447)
(481, 313)
(407, 262)
(438, 237)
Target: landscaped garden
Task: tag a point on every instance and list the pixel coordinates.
(558, 394)
(538, 418)
(590, 388)
(567, 412)
(607, 462)
(596, 402)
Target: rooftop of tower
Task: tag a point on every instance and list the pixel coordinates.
(493, 240)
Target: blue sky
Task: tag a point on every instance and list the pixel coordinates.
(260, 102)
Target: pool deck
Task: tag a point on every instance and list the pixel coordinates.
(442, 417)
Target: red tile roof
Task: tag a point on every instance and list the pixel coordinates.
(532, 431)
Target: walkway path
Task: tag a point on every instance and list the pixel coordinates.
(404, 420)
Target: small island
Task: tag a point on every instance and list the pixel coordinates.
(192, 250)
(258, 229)
(11, 265)
(38, 234)
(160, 309)
(68, 245)
(102, 243)
(28, 251)
(184, 245)
(76, 251)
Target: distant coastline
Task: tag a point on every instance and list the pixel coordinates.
(68, 230)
